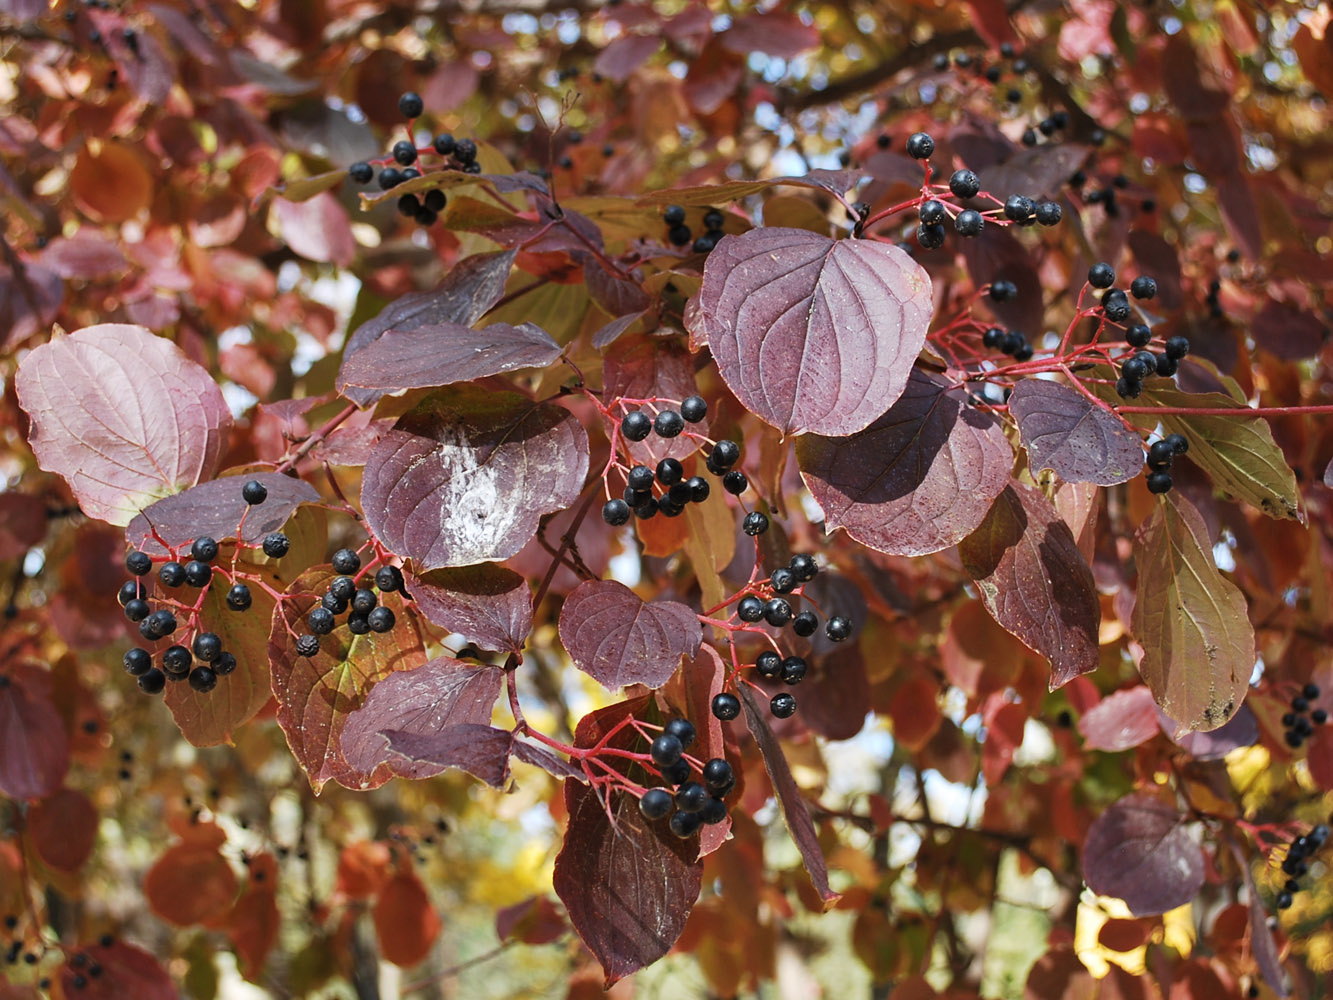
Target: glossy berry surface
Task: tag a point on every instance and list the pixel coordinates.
(683, 730)
(750, 608)
(224, 664)
(665, 750)
(410, 105)
(239, 597)
(198, 574)
(171, 574)
(176, 660)
(1138, 335)
(137, 662)
(793, 670)
(964, 184)
(920, 146)
(1048, 213)
(969, 223)
(361, 172)
(699, 489)
(1143, 287)
(718, 776)
(685, 824)
(693, 409)
(932, 213)
(153, 681)
(640, 478)
(768, 664)
(254, 492)
(783, 705)
(755, 523)
(691, 797)
(321, 621)
(777, 612)
(724, 455)
(276, 545)
(207, 646)
(636, 425)
(725, 706)
(345, 561)
(204, 549)
(735, 482)
(381, 619)
(615, 512)
(803, 566)
(838, 628)
(656, 803)
(782, 580)
(389, 579)
(1101, 275)
(138, 563)
(669, 471)
(203, 679)
(1177, 347)
(1159, 482)
(1019, 208)
(805, 624)
(668, 424)
(673, 215)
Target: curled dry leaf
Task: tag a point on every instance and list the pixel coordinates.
(123, 416)
(813, 335)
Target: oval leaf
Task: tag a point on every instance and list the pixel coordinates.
(1035, 582)
(127, 971)
(1139, 851)
(215, 508)
(612, 635)
(63, 829)
(192, 883)
(466, 476)
(123, 416)
(469, 290)
(34, 747)
(445, 353)
(433, 698)
(1192, 622)
(628, 886)
(812, 334)
(1121, 720)
(317, 694)
(918, 479)
(1079, 440)
(405, 922)
(488, 605)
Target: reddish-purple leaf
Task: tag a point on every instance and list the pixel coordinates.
(441, 695)
(616, 295)
(489, 605)
(624, 55)
(612, 635)
(1121, 720)
(1037, 173)
(997, 255)
(918, 479)
(445, 353)
(1241, 731)
(215, 508)
(537, 756)
(468, 291)
(799, 823)
(627, 885)
(123, 416)
(28, 302)
(1240, 211)
(835, 695)
(691, 691)
(1157, 257)
(608, 334)
(317, 694)
(1082, 441)
(991, 19)
(317, 229)
(775, 33)
(22, 523)
(126, 971)
(1290, 333)
(466, 476)
(1035, 582)
(653, 367)
(813, 334)
(1262, 943)
(1139, 850)
(481, 751)
(88, 255)
(34, 746)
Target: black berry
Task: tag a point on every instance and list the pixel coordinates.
(307, 645)
(920, 146)
(465, 151)
(777, 612)
(129, 590)
(1115, 304)
(153, 681)
(726, 706)
(172, 574)
(1018, 208)
(694, 408)
(254, 492)
(204, 549)
(410, 105)
(443, 143)
(691, 797)
(361, 172)
(932, 212)
(381, 619)
(735, 482)
(679, 236)
(1178, 442)
(405, 152)
(207, 646)
(1048, 213)
(718, 776)
(768, 664)
(755, 523)
(969, 223)
(683, 730)
(138, 563)
(390, 177)
(1159, 482)
(749, 608)
(137, 662)
(160, 623)
(321, 621)
(685, 824)
(177, 660)
(1138, 335)
(656, 803)
(203, 679)
(838, 628)
(342, 587)
(673, 215)
(805, 624)
(388, 579)
(804, 566)
(964, 184)
(793, 670)
(668, 424)
(238, 597)
(1101, 275)
(346, 561)
(1143, 287)
(669, 471)
(783, 705)
(636, 426)
(276, 545)
(1160, 455)
(198, 574)
(1177, 347)
(782, 580)
(615, 512)
(665, 750)
(699, 488)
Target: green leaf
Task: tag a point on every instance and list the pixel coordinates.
(1192, 622)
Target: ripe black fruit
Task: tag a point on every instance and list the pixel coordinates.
(410, 105)
(137, 662)
(160, 623)
(1138, 335)
(276, 545)
(755, 523)
(361, 172)
(1143, 287)
(238, 597)
(321, 621)
(177, 660)
(1018, 208)
(1003, 291)
(381, 619)
(691, 797)
(1178, 442)
(805, 624)
(254, 492)
(224, 664)
(1177, 347)
(198, 574)
(615, 512)
(129, 590)
(364, 601)
(389, 579)
(203, 679)
(1115, 304)
(679, 236)
(699, 488)
(768, 664)
(694, 408)
(207, 646)
(307, 645)
(782, 580)
(405, 152)
(465, 152)
(969, 223)
(724, 455)
(683, 730)
(920, 146)
(804, 566)
(1159, 482)
(1101, 275)
(346, 561)
(750, 608)
(668, 424)
(726, 706)
(204, 549)
(838, 628)
(777, 612)
(640, 478)
(932, 212)
(636, 425)
(138, 563)
(964, 184)
(735, 482)
(665, 750)
(685, 824)
(1048, 213)
(783, 705)
(718, 776)
(1160, 454)
(793, 670)
(656, 803)
(152, 682)
(673, 215)
(669, 472)
(172, 574)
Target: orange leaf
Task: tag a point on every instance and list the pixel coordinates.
(190, 884)
(254, 919)
(111, 185)
(405, 921)
(363, 869)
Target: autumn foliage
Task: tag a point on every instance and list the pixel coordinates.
(521, 499)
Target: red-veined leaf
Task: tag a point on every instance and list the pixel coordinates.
(1192, 622)
(813, 334)
(489, 605)
(918, 479)
(123, 416)
(1080, 440)
(618, 639)
(1139, 850)
(466, 476)
(1035, 582)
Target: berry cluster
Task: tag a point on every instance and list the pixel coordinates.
(694, 803)
(1048, 126)
(665, 490)
(1011, 342)
(1116, 308)
(964, 184)
(405, 160)
(1300, 725)
(770, 604)
(1160, 456)
(679, 234)
(1295, 864)
(360, 603)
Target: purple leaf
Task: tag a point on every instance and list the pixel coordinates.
(481, 751)
(836, 694)
(626, 54)
(215, 508)
(468, 291)
(433, 698)
(918, 479)
(28, 302)
(616, 638)
(616, 295)
(444, 353)
(1035, 582)
(1121, 720)
(317, 228)
(1157, 257)
(608, 334)
(34, 746)
(123, 416)
(1242, 730)
(1037, 173)
(776, 33)
(1065, 431)
(1138, 850)
(491, 606)
(813, 334)
(799, 823)
(531, 753)
(700, 195)
(627, 885)
(88, 255)
(997, 255)
(652, 367)
(466, 476)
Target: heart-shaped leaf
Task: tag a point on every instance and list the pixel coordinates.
(489, 605)
(466, 476)
(469, 290)
(445, 353)
(1192, 622)
(1140, 851)
(918, 479)
(1035, 582)
(612, 635)
(813, 335)
(123, 416)
(433, 698)
(1066, 432)
(317, 694)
